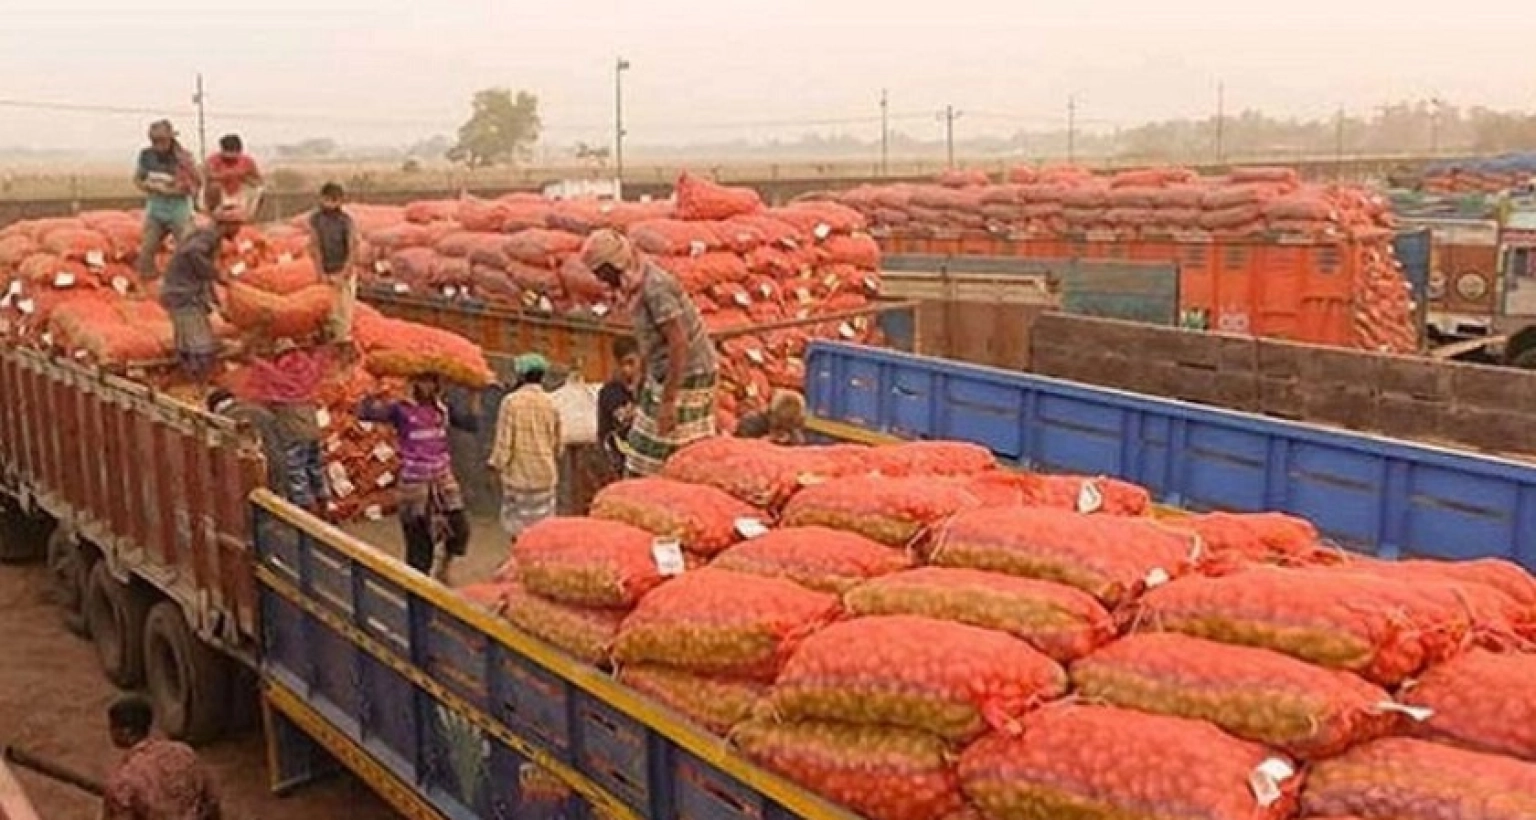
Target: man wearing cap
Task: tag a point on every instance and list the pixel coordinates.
(168, 176)
(527, 448)
(677, 394)
(188, 294)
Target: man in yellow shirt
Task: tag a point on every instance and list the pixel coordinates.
(527, 448)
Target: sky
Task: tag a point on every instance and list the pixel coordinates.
(394, 71)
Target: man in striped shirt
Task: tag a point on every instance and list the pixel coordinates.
(527, 449)
(676, 404)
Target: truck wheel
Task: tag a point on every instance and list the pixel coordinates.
(114, 614)
(68, 569)
(22, 536)
(1525, 360)
(188, 681)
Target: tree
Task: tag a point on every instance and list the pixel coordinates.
(500, 129)
(596, 154)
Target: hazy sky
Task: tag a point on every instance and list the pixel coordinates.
(391, 71)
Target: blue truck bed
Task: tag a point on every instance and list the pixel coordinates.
(1389, 497)
(449, 712)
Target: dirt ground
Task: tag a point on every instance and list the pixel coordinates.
(488, 546)
(53, 702)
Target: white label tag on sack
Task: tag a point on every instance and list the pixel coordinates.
(383, 452)
(385, 480)
(365, 426)
(872, 284)
(546, 305)
(1089, 498)
(237, 269)
(830, 280)
(755, 356)
(752, 391)
(803, 295)
(401, 287)
(244, 246)
(1266, 778)
(697, 248)
(668, 554)
(380, 266)
(449, 291)
(14, 289)
(373, 512)
(1418, 714)
(323, 418)
(47, 340)
(750, 528)
(26, 306)
(336, 472)
(284, 258)
(743, 299)
(766, 290)
(823, 230)
(846, 331)
(333, 444)
(343, 488)
(600, 310)
(64, 279)
(96, 259)
(1156, 578)
(120, 284)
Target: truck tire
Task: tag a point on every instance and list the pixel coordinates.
(69, 570)
(188, 681)
(23, 535)
(1525, 359)
(114, 614)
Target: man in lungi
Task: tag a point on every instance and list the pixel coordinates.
(676, 405)
(526, 452)
(188, 295)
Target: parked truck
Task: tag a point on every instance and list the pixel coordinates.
(448, 712)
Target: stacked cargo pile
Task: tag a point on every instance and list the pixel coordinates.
(1166, 206)
(1480, 176)
(919, 635)
(743, 264)
(70, 286)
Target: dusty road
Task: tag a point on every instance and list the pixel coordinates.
(53, 701)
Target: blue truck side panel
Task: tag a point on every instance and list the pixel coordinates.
(1389, 497)
(459, 716)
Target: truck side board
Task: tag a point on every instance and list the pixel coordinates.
(157, 487)
(448, 711)
(1386, 496)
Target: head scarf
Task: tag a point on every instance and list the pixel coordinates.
(607, 247)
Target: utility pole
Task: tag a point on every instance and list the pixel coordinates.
(202, 127)
(1338, 146)
(1434, 127)
(619, 67)
(1221, 122)
(1072, 129)
(949, 115)
(885, 134)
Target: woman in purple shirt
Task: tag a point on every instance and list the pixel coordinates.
(427, 485)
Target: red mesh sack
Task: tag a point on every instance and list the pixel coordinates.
(714, 703)
(586, 633)
(1002, 488)
(702, 519)
(396, 237)
(858, 250)
(1510, 579)
(112, 332)
(487, 216)
(78, 245)
(818, 558)
(393, 347)
(426, 211)
(722, 623)
(767, 229)
(294, 377)
(896, 512)
(1266, 175)
(1482, 701)
(699, 273)
(934, 676)
(818, 220)
(701, 199)
(15, 248)
(760, 473)
(1229, 218)
(584, 562)
(1229, 541)
(1378, 628)
(1062, 622)
(880, 773)
(295, 315)
(1101, 762)
(1109, 557)
(282, 278)
(543, 281)
(1254, 694)
(487, 595)
(580, 283)
(1109, 496)
(674, 237)
(962, 178)
(1403, 779)
(414, 266)
(930, 458)
(541, 247)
